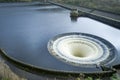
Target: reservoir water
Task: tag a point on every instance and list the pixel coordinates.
(25, 32)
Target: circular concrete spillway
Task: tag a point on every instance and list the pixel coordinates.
(81, 49)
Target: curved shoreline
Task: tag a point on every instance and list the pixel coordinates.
(32, 68)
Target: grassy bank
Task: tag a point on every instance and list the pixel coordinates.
(15, 0)
(6, 73)
(105, 5)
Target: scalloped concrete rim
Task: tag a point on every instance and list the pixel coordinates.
(109, 59)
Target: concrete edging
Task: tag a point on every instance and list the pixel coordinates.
(106, 20)
(30, 68)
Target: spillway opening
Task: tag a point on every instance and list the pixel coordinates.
(77, 48)
(81, 49)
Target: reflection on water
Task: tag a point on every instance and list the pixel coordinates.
(25, 32)
(74, 19)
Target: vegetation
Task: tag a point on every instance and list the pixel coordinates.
(21, 0)
(15, 0)
(115, 77)
(105, 5)
(7, 74)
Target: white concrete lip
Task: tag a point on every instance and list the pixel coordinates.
(80, 49)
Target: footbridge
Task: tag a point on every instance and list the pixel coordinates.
(103, 16)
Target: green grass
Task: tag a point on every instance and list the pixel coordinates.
(89, 78)
(115, 77)
(105, 5)
(5, 78)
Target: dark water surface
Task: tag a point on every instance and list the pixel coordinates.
(25, 32)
